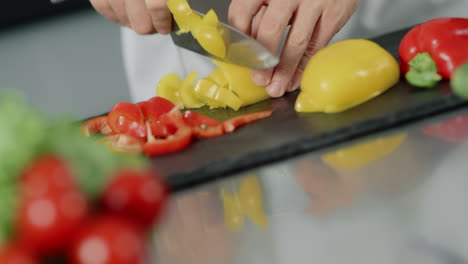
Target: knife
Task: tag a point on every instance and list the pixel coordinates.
(241, 49)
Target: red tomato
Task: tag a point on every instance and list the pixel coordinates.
(16, 254)
(48, 173)
(136, 195)
(177, 141)
(202, 126)
(124, 116)
(96, 125)
(233, 123)
(46, 222)
(108, 240)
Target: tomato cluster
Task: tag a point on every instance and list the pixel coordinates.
(55, 218)
(157, 126)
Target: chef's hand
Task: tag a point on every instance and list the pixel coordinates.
(143, 16)
(313, 25)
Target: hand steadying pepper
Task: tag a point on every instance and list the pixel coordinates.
(433, 50)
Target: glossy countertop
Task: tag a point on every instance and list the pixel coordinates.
(396, 197)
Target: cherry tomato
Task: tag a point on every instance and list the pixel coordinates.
(96, 125)
(48, 173)
(136, 195)
(108, 240)
(16, 254)
(233, 123)
(124, 116)
(46, 222)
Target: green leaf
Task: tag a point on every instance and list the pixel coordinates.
(8, 209)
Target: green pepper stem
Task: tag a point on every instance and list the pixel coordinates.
(423, 71)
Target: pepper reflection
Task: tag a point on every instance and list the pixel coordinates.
(376, 169)
(246, 202)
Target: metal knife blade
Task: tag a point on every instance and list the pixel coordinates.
(241, 49)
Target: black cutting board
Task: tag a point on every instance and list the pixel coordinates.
(287, 134)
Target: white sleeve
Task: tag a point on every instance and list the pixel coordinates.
(148, 58)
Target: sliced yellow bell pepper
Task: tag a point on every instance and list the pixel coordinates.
(241, 83)
(205, 30)
(363, 154)
(187, 94)
(216, 96)
(346, 74)
(168, 88)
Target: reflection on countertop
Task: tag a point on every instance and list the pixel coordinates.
(402, 204)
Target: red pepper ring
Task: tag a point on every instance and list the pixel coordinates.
(177, 141)
(96, 125)
(233, 123)
(202, 126)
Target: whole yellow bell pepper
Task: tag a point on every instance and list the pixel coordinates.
(346, 74)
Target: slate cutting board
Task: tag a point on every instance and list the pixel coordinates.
(288, 134)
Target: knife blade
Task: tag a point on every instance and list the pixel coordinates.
(241, 49)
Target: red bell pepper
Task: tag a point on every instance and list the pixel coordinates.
(202, 126)
(177, 141)
(452, 130)
(127, 118)
(433, 50)
(124, 143)
(96, 125)
(152, 110)
(233, 123)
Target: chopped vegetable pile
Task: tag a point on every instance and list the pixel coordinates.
(157, 126)
(61, 192)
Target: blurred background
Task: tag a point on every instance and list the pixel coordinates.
(63, 56)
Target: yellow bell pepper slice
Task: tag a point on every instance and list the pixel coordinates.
(217, 76)
(215, 95)
(183, 15)
(210, 39)
(346, 74)
(241, 83)
(363, 154)
(168, 88)
(187, 93)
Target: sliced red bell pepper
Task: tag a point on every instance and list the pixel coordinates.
(434, 49)
(152, 110)
(202, 126)
(127, 118)
(124, 143)
(233, 123)
(177, 141)
(96, 125)
(452, 130)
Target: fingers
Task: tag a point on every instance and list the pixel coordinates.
(270, 31)
(139, 17)
(256, 21)
(296, 45)
(104, 8)
(241, 12)
(160, 15)
(324, 31)
(121, 11)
